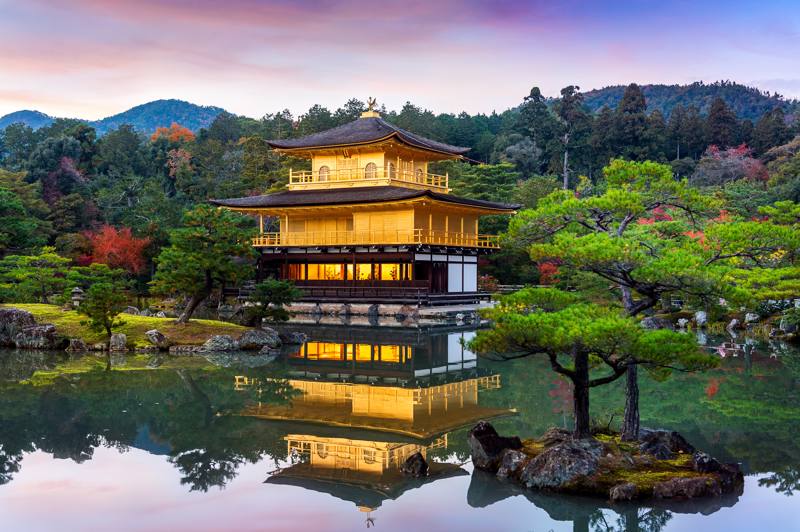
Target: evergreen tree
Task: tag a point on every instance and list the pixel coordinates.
(537, 121)
(675, 131)
(575, 129)
(630, 125)
(201, 255)
(693, 133)
(656, 136)
(770, 131)
(721, 125)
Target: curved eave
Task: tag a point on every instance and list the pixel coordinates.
(299, 149)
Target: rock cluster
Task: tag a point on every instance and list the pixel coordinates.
(558, 462)
(415, 466)
(18, 328)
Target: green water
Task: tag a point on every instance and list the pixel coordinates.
(166, 447)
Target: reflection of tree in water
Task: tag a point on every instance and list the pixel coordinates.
(632, 519)
(786, 481)
(205, 468)
(70, 415)
(10, 463)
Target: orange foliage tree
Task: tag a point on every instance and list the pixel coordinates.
(173, 133)
(118, 248)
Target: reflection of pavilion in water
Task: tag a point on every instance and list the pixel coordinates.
(366, 404)
(420, 389)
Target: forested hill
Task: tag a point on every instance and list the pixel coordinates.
(160, 113)
(747, 102)
(145, 118)
(33, 119)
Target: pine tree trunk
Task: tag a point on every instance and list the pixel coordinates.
(580, 396)
(194, 302)
(630, 422)
(196, 299)
(566, 167)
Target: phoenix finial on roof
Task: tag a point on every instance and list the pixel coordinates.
(371, 103)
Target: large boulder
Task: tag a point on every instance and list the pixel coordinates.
(486, 446)
(687, 488)
(626, 491)
(76, 345)
(730, 475)
(663, 444)
(157, 338)
(751, 317)
(786, 326)
(562, 464)
(118, 342)
(511, 464)
(415, 466)
(37, 337)
(654, 322)
(294, 338)
(701, 318)
(12, 321)
(257, 339)
(131, 310)
(220, 342)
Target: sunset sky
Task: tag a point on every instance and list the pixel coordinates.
(94, 58)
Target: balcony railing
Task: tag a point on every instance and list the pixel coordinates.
(368, 175)
(371, 238)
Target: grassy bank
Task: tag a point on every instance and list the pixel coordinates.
(68, 323)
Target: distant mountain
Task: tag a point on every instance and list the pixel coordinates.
(160, 113)
(746, 102)
(34, 119)
(145, 118)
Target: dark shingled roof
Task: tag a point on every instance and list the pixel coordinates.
(338, 196)
(364, 131)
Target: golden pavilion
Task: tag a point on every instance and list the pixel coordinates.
(368, 222)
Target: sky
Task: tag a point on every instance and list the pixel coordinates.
(94, 58)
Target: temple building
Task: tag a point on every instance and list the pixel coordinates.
(368, 222)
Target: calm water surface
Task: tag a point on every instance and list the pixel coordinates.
(312, 441)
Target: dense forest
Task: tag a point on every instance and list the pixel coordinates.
(115, 197)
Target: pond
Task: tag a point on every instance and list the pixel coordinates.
(312, 440)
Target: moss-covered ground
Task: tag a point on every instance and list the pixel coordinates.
(68, 323)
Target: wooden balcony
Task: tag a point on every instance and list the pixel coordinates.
(375, 238)
(359, 177)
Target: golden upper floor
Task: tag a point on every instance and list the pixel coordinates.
(367, 152)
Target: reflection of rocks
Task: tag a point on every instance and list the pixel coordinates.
(487, 447)
(485, 489)
(294, 338)
(12, 321)
(37, 337)
(415, 466)
(239, 359)
(19, 365)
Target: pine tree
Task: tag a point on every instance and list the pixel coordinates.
(537, 121)
(770, 131)
(675, 131)
(721, 125)
(630, 124)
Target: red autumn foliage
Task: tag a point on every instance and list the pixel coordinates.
(548, 272)
(659, 215)
(697, 235)
(712, 388)
(173, 133)
(118, 248)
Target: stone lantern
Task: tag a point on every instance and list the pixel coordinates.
(76, 296)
